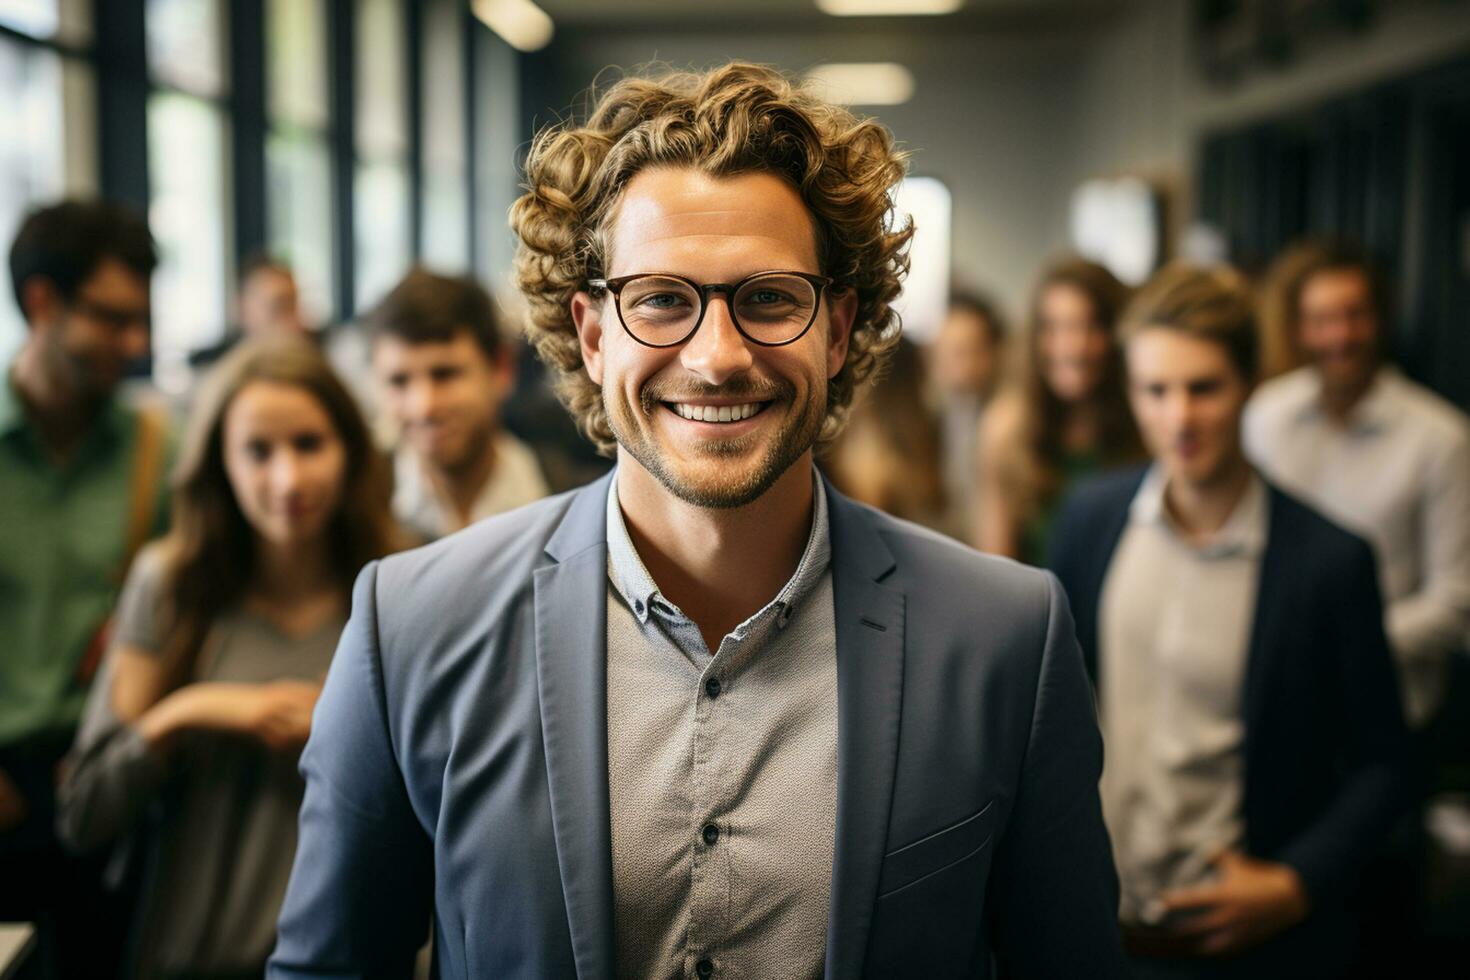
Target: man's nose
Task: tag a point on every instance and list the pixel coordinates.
(422, 400)
(717, 351)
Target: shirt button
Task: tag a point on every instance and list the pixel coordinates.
(711, 834)
(704, 968)
(712, 687)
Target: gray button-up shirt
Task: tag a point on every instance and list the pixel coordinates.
(722, 773)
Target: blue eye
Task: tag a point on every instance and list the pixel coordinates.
(661, 301)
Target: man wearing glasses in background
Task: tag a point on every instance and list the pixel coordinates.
(705, 716)
(82, 486)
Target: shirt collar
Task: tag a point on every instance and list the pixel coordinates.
(1373, 413)
(112, 423)
(634, 583)
(1243, 534)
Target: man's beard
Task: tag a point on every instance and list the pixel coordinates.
(734, 487)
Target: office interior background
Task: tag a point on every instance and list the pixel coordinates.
(355, 138)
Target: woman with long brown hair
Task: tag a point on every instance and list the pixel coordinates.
(888, 456)
(1064, 418)
(223, 635)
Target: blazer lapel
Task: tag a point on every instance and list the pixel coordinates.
(1273, 602)
(870, 629)
(570, 602)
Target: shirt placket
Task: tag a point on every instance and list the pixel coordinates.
(709, 891)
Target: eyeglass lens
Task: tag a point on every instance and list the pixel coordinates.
(771, 309)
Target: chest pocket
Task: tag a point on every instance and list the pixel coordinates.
(912, 863)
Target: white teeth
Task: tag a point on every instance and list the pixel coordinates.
(712, 413)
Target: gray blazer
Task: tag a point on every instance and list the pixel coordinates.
(458, 764)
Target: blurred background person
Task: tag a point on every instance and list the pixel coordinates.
(1256, 744)
(445, 370)
(1390, 459)
(1276, 302)
(81, 488)
(888, 456)
(1378, 453)
(1065, 415)
(269, 305)
(223, 635)
(965, 360)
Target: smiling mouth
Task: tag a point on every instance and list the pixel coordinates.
(716, 413)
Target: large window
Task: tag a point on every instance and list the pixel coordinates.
(382, 205)
(189, 197)
(47, 139)
(63, 21)
(921, 305)
(446, 229)
(341, 136)
(298, 149)
(497, 109)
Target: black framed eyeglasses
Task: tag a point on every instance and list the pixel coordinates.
(771, 309)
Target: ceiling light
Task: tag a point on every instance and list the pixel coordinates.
(888, 8)
(877, 83)
(523, 25)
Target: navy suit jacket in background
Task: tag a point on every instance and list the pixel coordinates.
(1325, 743)
(458, 764)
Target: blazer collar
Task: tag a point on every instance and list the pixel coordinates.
(584, 525)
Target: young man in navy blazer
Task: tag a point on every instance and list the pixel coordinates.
(705, 717)
(1248, 700)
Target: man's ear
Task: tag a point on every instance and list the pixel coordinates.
(40, 301)
(842, 311)
(587, 315)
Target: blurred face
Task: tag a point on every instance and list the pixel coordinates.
(1073, 345)
(269, 304)
(91, 340)
(964, 356)
(1339, 328)
(445, 397)
(713, 230)
(285, 462)
(1188, 398)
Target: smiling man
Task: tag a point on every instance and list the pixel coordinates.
(706, 717)
(1247, 695)
(445, 371)
(1379, 453)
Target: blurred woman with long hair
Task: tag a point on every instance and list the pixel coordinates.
(224, 631)
(888, 454)
(1065, 416)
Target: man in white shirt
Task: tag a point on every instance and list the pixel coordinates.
(444, 371)
(1379, 454)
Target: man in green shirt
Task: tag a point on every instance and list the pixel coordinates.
(82, 485)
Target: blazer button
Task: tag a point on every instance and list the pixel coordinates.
(711, 834)
(704, 968)
(712, 687)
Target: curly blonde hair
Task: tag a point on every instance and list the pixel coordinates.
(736, 119)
